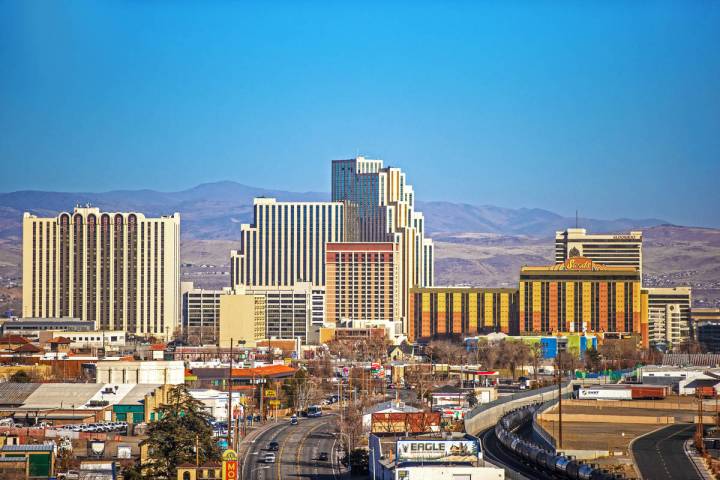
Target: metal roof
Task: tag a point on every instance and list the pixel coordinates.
(55, 395)
(27, 448)
(137, 394)
(16, 393)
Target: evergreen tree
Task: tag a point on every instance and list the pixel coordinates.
(183, 423)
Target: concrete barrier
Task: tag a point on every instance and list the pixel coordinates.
(486, 416)
(644, 404)
(589, 418)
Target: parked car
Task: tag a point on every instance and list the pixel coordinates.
(323, 457)
(294, 420)
(269, 457)
(273, 446)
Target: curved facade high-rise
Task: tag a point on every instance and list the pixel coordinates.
(380, 207)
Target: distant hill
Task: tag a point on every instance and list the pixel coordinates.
(214, 210)
(462, 217)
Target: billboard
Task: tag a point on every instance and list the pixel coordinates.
(439, 451)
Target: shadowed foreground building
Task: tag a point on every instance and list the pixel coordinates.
(118, 270)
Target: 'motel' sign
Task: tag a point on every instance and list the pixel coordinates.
(229, 465)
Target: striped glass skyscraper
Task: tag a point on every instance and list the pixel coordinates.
(286, 243)
(380, 207)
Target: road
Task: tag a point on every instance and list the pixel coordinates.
(300, 447)
(660, 455)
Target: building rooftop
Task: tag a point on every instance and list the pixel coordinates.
(137, 395)
(267, 371)
(27, 448)
(13, 339)
(62, 395)
(16, 393)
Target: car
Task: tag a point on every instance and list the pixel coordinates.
(323, 457)
(269, 458)
(273, 446)
(294, 420)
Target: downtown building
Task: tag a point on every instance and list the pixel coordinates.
(120, 271)
(668, 316)
(706, 328)
(282, 256)
(380, 207)
(363, 285)
(286, 243)
(461, 311)
(612, 250)
(580, 295)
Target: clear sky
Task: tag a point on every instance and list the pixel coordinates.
(609, 107)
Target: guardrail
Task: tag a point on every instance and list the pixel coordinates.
(487, 415)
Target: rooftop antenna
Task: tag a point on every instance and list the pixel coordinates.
(576, 218)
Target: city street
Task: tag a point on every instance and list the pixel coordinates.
(298, 454)
(660, 455)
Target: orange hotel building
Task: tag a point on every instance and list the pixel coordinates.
(362, 282)
(581, 295)
(438, 311)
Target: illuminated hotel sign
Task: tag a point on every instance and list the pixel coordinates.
(579, 264)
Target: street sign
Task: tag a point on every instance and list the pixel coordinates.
(270, 393)
(274, 403)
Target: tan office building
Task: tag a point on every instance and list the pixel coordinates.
(118, 270)
(242, 319)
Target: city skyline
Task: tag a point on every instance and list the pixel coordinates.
(623, 117)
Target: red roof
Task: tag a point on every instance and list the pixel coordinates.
(13, 339)
(267, 371)
(27, 348)
(60, 340)
(158, 347)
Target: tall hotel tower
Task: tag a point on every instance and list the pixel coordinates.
(615, 250)
(380, 207)
(286, 243)
(119, 270)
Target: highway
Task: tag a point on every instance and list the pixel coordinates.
(298, 455)
(660, 455)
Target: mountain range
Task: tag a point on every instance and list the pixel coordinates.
(214, 211)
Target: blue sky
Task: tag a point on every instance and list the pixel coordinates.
(609, 107)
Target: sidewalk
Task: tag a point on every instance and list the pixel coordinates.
(697, 460)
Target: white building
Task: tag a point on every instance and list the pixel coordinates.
(215, 401)
(159, 372)
(621, 250)
(668, 316)
(107, 339)
(286, 243)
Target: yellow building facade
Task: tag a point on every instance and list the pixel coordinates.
(461, 311)
(242, 318)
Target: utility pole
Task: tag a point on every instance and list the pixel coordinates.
(197, 451)
(559, 406)
(229, 406)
